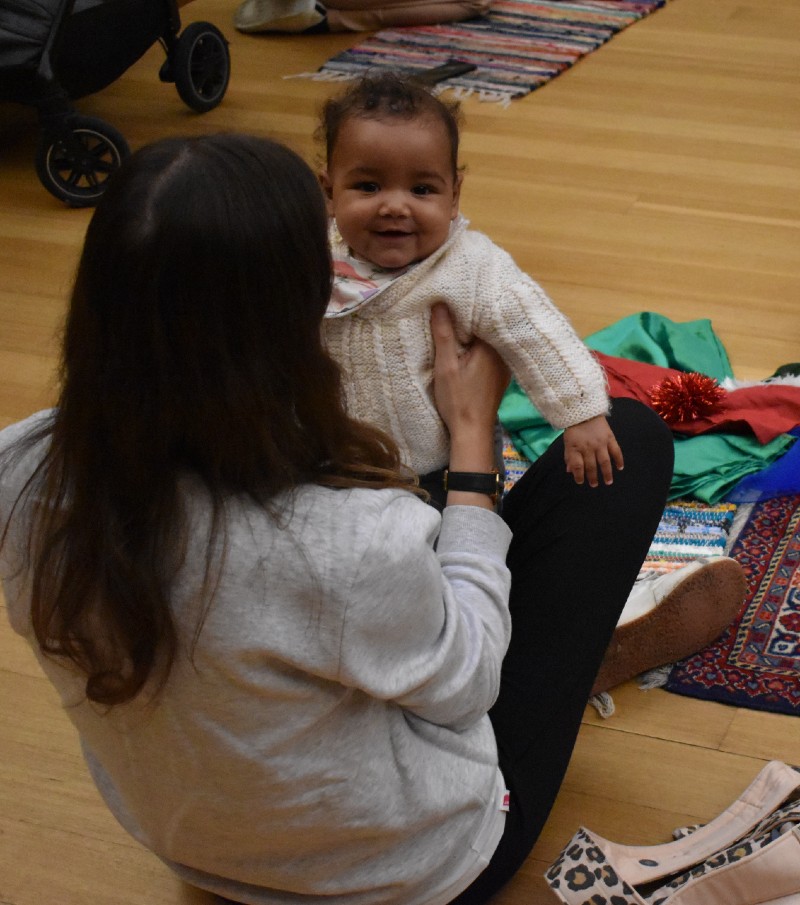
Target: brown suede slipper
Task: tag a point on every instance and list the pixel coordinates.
(692, 613)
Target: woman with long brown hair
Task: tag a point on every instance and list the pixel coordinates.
(232, 584)
(293, 680)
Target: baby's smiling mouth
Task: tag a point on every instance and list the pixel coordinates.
(392, 233)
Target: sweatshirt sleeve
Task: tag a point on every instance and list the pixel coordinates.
(428, 629)
(547, 357)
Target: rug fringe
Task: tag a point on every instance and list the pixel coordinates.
(324, 76)
(487, 95)
(655, 678)
(459, 92)
(740, 520)
(603, 703)
(494, 97)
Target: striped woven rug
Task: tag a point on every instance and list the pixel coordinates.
(688, 530)
(517, 47)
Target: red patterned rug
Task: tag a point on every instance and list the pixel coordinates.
(756, 663)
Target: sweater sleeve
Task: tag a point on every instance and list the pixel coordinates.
(428, 630)
(549, 360)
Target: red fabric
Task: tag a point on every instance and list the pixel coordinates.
(767, 410)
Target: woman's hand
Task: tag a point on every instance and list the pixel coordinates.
(468, 385)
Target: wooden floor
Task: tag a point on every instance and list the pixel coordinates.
(662, 173)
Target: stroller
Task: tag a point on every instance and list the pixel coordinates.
(55, 51)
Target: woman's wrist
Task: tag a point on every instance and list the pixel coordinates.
(472, 451)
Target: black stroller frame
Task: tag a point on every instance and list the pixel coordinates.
(53, 52)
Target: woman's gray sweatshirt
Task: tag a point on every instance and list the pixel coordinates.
(325, 740)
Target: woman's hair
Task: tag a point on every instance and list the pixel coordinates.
(192, 346)
(388, 95)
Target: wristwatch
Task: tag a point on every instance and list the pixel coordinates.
(474, 482)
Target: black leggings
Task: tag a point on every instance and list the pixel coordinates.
(574, 558)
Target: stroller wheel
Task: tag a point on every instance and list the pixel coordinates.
(74, 162)
(202, 66)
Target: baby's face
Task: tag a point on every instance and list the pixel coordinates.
(391, 188)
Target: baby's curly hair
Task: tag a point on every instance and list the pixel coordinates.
(388, 95)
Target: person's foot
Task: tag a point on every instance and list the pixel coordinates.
(280, 16)
(671, 616)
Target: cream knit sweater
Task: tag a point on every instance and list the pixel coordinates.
(386, 350)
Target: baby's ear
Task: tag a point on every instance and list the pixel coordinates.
(456, 195)
(327, 188)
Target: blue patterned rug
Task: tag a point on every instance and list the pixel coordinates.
(756, 663)
(517, 47)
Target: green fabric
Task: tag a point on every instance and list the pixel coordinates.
(706, 466)
(656, 340)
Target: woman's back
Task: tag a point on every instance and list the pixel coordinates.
(325, 733)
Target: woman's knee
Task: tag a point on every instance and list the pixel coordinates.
(642, 435)
(639, 422)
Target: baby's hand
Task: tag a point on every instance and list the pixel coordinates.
(590, 449)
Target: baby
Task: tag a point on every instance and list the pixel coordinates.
(400, 246)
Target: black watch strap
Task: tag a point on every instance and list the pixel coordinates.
(474, 482)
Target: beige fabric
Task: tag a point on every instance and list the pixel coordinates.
(764, 878)
(767, 791)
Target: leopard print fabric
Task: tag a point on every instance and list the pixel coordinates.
(583, 876)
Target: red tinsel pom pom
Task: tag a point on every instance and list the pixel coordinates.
(686, 397)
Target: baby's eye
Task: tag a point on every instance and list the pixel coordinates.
(367, 187)
(422, 189)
